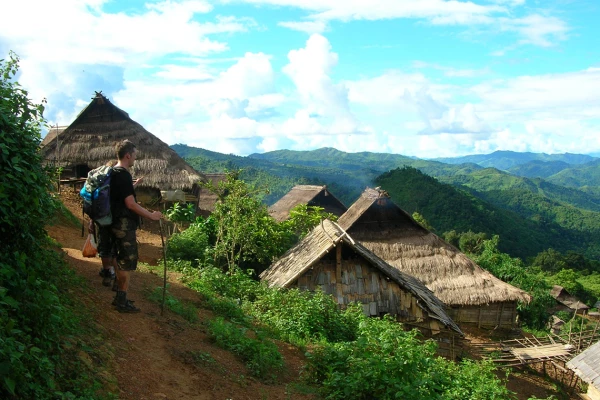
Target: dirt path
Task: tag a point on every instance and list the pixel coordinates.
(164, 357)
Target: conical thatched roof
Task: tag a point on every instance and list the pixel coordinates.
(326, 236)
(392, 234)
(311, 195)
(90, 140)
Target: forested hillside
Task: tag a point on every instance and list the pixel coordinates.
(530, 215)
(448, 208)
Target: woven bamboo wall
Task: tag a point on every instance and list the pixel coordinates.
(502, 315)
(362, 283)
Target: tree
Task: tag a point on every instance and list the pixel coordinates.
(422, 221)
(549, 260)
(246, 236)
(303, 218)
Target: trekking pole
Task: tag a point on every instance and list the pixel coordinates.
(162, 239)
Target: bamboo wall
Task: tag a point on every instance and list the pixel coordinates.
(501, 315)
(360, 282)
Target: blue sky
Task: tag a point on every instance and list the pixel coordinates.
(425, 78)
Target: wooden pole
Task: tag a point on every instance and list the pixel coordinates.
(338, 272)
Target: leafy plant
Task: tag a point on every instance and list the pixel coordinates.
(36, 317)
(261, 355)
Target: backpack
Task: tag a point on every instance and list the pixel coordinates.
(96, 195)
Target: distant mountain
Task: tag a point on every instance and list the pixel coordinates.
(505, 160)
(447, 208)
(539, 169)
(579, 176)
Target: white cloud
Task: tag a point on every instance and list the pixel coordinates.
(536, 29)
(309, 27)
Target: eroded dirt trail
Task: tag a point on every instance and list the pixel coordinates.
(149, 356)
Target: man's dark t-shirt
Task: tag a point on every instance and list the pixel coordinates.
(121, 186)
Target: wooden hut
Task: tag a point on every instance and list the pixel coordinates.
(311, 195)
(586, 366)
(329, 259)
(566, 302)
(90, 142)
(472, 295)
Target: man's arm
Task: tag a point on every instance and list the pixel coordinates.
(131, 204)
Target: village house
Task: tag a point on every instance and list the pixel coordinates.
(89, 142)
(311, 195)
(471, 294)
(330, 260)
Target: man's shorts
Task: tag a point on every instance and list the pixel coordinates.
(123, 231)
(106, 242)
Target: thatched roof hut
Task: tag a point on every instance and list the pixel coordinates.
(311, 195)
(329, 259)
(393, 235)
(90, 142)
(566, 301)
(587, 367)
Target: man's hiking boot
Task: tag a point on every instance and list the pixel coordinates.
(128, 307)
(116, 303)
(123, 305)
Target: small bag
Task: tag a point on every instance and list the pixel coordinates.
(90, 249)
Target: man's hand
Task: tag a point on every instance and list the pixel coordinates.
(156, 215)
(138, 181)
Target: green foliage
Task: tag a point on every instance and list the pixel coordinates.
(303, 218)
(422, 221)
(261, 355)
(512, 270)
(300, 316)
(193, 244)
(36, 318)
(186, 310)
(472, 243)
(246, 234)
(386, 362)
(179, 213)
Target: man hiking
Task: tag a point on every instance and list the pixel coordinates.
(107, 250)
(126, 213)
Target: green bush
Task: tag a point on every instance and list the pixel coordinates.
(386, 362)
(261, 355)
(35, 316)
(190, 245)
(300, 315)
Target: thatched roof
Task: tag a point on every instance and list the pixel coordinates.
(51, 135)
(565, 298)
(311, 195)
(587, 365)
(392, 234)
(90, 140)
(326, 236)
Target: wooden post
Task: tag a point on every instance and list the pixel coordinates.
(338, 271)
(479, 318)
